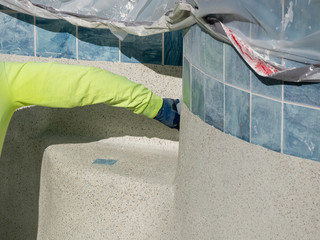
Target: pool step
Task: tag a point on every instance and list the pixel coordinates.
(118, 188)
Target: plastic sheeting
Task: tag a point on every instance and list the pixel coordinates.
(270, 35)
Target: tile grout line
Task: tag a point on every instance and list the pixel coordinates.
(224, 85)
(282, 94)
(77, 42)
(258, 94)
(191, 79)
(119, 60)
(34, 36)
(162, 46)
(282, 117)
(204, 82)
(250, 120)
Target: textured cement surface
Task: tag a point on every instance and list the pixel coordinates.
(33, 129)
(132, 199)
(225, 188)
(231, 189)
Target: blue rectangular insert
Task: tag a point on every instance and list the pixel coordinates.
(105, 161)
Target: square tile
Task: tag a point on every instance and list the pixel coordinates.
(301, 132)
(17, 34)
(55, 38)
(214, 103)
(173, 48)
(266, 86)
(135, 49)
(196, 44)
(197, 93)
(211, 56)
(266, 123)
(305, 93)
(237, 113)
(186, 82)
(186, 34)
(97, 45)
(237, 71)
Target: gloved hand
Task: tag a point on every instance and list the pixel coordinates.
(169, 113)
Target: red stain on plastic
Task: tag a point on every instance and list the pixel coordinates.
(249, 55)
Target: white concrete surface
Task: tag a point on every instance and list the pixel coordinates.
(230, 189)
(34, 129)
(220, 187)
(132, 199)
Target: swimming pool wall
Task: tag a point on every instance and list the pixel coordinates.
(249, 147)
(220, 88)
(144, 60)
(27, 35)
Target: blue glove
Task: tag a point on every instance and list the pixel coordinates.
(169, 113)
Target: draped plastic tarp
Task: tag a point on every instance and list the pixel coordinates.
(269, 34)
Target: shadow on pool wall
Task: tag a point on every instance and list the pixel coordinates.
(32, 130)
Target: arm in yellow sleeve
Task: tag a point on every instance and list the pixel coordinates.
(66, 86)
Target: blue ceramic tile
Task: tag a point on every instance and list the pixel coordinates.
(305, 19)
(266, 86)
(237, 71)
(17, 34)
(187, 42)
(301, 132)
(211, 56)
(55, 38)
(103, 161)
(97, 45)
(197, 91)
(214, 103)
(136, 49)
(266, 123)
(237, 113)
(306, 93)
(186, 82)
(173, 48)
(196, 44)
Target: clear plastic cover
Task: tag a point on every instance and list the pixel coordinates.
(278, 39)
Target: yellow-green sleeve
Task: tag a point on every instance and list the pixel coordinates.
(65, 86)
(60, 85)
